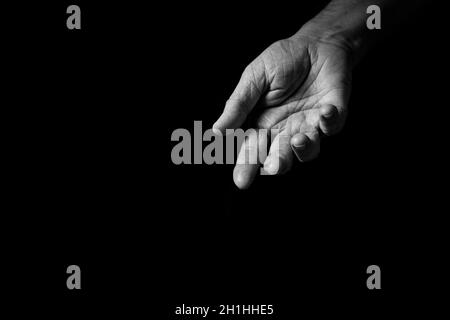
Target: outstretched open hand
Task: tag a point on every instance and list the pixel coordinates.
(299, 86)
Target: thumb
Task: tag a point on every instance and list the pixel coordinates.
(247, 93)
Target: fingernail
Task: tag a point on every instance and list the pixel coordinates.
(299, 145)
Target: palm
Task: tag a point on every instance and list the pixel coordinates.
(298, 86)
(308, 77)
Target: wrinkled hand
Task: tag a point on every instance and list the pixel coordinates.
(299, 86)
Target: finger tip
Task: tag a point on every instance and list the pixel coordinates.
(243, 177)
(270, 167)
(299, 141)
(327, 110)
(241, 184)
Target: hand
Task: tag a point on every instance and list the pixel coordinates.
(299, 86)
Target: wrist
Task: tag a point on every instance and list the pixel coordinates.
(342, 23)
(319, 34)
(348, 35)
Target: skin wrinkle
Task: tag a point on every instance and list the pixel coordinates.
(254, 83)
(304, 102)
(297, 81)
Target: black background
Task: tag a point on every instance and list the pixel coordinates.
(89, 180)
